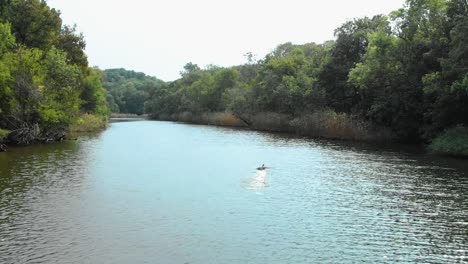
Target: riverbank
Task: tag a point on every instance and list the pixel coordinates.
(3, 135)
(89, 123)
(453, 142)
(34, 134)
(323, 124)
(123, 115)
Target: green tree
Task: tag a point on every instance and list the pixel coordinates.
(388, 98)
(61, 101)
(127, 91)
(238, 99)
(94, 94)
(73, 44)
(286, 83)
(34, 23)
(7, 42)
(446, 90)
(348, 50)
(28, 76)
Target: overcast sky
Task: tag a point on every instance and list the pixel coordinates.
(160, 37)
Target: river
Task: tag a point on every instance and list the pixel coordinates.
(162, 192)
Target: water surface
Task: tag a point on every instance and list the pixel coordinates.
(161, 192)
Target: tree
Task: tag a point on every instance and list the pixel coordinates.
(7, 41)
(61, 94)
(446, 90)
(43, 73)
(127, 91)
(27, 82)
(387, 96)
(93, 95)
(73, 44)
(34, 23)
(286, 81)
(350, 46)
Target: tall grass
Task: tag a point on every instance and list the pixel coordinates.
(332, 125)
(270, 121)
(209, 118)
(321, 124)
(122, 115)
(89, 123)
(453, 142)
(221, 119)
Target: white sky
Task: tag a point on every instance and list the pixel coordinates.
(160, 37)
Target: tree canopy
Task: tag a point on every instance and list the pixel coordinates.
(406, 71)
(45, 82)
(128, 90)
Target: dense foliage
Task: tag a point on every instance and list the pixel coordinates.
(45, 81)
(452, 142)
(407, 71)
(128, 90)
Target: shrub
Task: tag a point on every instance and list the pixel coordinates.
(453, 142)
(3, 134)
(89, 123)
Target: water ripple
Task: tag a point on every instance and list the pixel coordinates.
(145, 192)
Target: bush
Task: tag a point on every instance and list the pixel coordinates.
(3, 134)
(453, 142)
(89, 123)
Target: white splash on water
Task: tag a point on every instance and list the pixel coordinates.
(259, 181)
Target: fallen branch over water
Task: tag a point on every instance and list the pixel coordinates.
(24, 135)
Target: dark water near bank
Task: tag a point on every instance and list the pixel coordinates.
(159, 192)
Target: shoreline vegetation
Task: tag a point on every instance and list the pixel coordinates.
(326, 124)
(46, 85)
(124, 115)
(401, 77)
(453, 142)
(89, 123)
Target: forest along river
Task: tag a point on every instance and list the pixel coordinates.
(162, 192)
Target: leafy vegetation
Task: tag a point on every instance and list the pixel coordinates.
(45, 81)
(404, 74)
(452, 142)
(128, 90)
(3, 134)
(89, 123)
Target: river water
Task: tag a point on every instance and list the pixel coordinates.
(162, 192)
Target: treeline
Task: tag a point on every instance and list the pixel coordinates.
(46, 84)
(406, 72)
(127, 91)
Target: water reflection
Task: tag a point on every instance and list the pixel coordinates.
(164, 192)
(37, 186)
